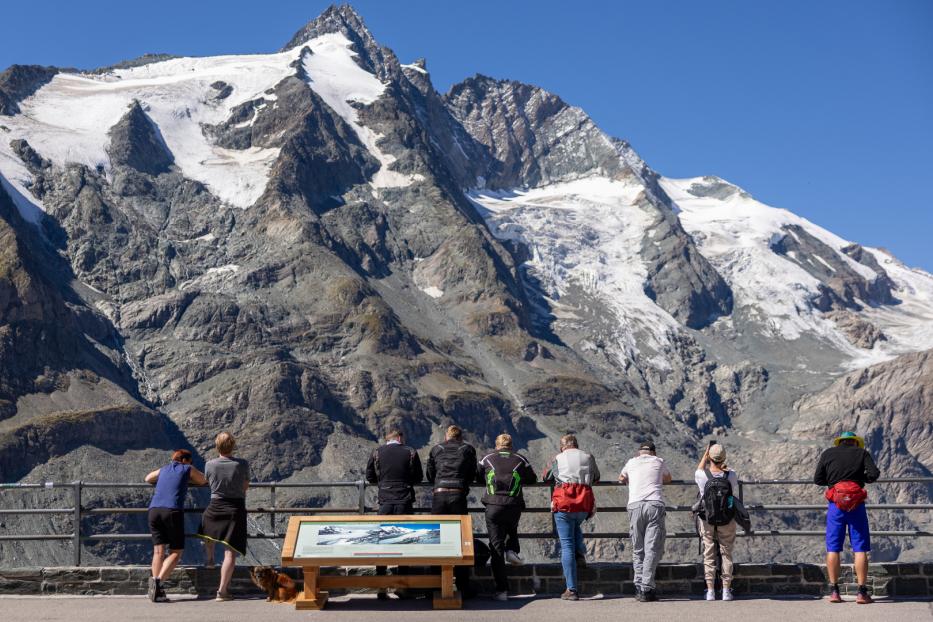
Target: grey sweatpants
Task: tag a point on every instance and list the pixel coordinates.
(647, 531)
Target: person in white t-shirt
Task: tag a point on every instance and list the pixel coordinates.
(645, 474)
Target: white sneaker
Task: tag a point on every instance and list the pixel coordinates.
(501, 596)
(727, 593)
(710, 594)
(514, 559)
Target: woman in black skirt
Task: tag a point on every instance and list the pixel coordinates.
(224, 520)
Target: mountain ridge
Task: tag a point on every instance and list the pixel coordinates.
(307, 246)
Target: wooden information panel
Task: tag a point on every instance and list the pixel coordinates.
(367, 540)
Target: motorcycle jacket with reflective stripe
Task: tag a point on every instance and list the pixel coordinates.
(503, 475)
(452, 464)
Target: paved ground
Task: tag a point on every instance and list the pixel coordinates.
(344, 609)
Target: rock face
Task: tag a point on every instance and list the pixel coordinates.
(888, 404)
(860, 332)
(391, 256)
(135, 142)
(19, 82)
(843, 286)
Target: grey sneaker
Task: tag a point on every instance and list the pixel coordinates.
(224, 596)
(152, 589)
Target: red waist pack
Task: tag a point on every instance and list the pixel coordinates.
(573, 498)
(846, 495)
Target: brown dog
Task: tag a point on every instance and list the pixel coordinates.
(278, 586)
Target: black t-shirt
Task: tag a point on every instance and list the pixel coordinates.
(845, 463)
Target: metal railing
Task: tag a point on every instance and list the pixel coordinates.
(79, 511)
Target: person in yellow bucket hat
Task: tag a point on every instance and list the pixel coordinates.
(845, 468)
(847, 437)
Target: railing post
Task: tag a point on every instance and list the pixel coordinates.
(76, 534)
(272, 506)
(362, 487)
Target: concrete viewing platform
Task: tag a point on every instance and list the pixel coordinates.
(517, 609)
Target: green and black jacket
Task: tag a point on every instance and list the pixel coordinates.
(503, 474)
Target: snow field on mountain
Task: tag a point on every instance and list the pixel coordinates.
(335, 76)
(68, 120)
(586, 233)
(909, 325)
(735, 234)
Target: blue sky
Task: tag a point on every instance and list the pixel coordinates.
(825, 108)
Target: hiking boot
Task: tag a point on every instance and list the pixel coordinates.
(570, 595)
(640, 594)
(152, 589)
(649, 596)
(727, 593)
(834, 596)
(161, 596)
(514, 559)
(382, 595)
(710, 594)
(862, 598)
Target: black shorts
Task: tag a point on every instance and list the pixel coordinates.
(167, 527)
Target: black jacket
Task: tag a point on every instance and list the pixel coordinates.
(845, 463)
(504, 473)
(395, 467)
(452, 464)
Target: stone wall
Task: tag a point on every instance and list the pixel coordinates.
(903, 579)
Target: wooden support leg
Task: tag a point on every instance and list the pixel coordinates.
(448, 597)
(312, 597)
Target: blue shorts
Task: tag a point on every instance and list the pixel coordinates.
(856, 521)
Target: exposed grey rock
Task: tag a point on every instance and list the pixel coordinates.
(716, 188)
(18, 82)
(534, 137)
(136, 142)
(860, 331)
(680, 280)
(843, 287)
(888, 404)
(139, 61)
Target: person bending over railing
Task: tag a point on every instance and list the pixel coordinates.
(167, 517)
(224, 520)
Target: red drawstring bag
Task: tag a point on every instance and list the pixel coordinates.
(846, 495)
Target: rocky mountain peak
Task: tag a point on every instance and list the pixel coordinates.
(343, 19)
(136, 142)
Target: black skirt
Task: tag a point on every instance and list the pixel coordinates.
(224, 521)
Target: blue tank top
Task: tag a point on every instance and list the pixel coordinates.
(171, 487)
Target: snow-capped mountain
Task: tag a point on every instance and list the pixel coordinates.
(306, 246)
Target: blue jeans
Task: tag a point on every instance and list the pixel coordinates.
(571, 540)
